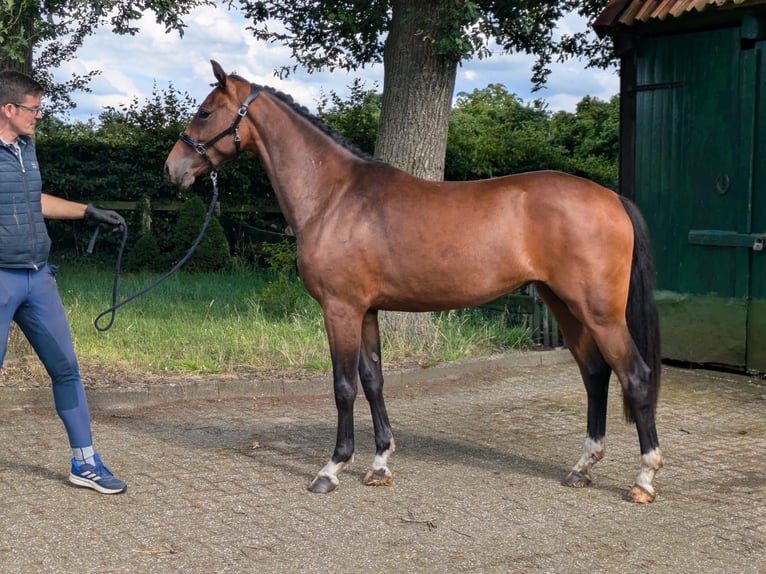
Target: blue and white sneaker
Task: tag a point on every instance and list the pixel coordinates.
(96, 477)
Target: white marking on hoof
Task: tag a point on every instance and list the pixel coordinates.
(381, 460)
(379, 474)
(331, 471)
(651, 462)
(592, 452)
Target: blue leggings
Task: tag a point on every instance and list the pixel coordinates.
(31, 299)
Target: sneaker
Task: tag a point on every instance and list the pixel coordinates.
(96, 477)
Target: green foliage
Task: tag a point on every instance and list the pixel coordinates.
(122, 157)
(327, 34)
(160, 115)
(212, 253)
(285, 294)
(281, 257)
(356, 118)
(495, 133)
(324, 34)
(59, 29)
(16, 21)
(591, 137)
(492, 132)
(145, 255)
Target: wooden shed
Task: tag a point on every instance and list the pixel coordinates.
(693, 156)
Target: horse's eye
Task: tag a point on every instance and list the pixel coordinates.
(203, 114)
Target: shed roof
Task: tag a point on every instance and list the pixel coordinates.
(632, 12)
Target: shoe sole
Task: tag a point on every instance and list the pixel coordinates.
(85, 483)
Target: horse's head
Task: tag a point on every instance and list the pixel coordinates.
(212, 138)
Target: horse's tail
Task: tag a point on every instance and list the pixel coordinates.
(641, 313)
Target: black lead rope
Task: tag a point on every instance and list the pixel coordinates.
(115, 305)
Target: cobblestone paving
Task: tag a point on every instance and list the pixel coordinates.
(220, 485)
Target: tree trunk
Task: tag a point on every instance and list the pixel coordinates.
(418, 85)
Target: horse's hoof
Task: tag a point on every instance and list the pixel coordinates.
(322, 485)
(639, 495)
(576, 480)
(378, 477)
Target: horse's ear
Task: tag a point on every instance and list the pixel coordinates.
(220, 75)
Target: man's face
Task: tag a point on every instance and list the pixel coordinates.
(22, 116)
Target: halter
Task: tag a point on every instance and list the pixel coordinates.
(201, 148)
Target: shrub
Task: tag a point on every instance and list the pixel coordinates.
(281, 257)
(212, 253)
(145, 255)
(285, 294)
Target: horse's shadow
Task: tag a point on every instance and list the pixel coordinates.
(299, 448)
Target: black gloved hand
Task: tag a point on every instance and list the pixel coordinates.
(105, 216)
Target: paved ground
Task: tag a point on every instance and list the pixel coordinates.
(219, 484)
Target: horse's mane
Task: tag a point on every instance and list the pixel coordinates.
(315, 121)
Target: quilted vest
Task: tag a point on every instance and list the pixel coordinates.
(24, 240)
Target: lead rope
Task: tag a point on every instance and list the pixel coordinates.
(113, 309)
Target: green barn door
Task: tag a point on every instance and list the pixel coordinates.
(694, 133)
(756, 337)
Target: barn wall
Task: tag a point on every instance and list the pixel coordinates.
(698, 176)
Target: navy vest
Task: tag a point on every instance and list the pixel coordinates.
(24, 240)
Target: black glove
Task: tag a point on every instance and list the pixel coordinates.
(105, 216)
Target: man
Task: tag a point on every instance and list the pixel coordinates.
(28, 292)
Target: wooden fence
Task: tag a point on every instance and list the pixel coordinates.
(146, 207)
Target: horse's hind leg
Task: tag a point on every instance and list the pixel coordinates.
(371, 375)
(618, 348)
(599, 349)
(640, 407)
(595, 372)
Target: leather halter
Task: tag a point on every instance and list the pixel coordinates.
(201, 148)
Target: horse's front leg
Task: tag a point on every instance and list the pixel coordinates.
(371, 375)
(343, 333)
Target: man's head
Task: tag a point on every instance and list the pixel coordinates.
(20, 98)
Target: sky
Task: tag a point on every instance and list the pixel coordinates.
(132, 65)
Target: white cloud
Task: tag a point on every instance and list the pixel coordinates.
(131, 66)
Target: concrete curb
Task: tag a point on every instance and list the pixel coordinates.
(132, 397)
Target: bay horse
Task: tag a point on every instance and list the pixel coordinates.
(371, 237)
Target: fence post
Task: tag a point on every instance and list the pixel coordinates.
(146, 214)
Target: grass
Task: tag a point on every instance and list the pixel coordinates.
(231, 323)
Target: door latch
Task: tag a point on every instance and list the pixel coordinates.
(758, 244)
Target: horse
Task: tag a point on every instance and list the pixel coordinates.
(372, 238)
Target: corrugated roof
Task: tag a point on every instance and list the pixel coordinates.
(632, 12)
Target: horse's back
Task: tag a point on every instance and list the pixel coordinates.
(537, 190)
(553, 211)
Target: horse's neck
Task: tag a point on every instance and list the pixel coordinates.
(299, 159)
